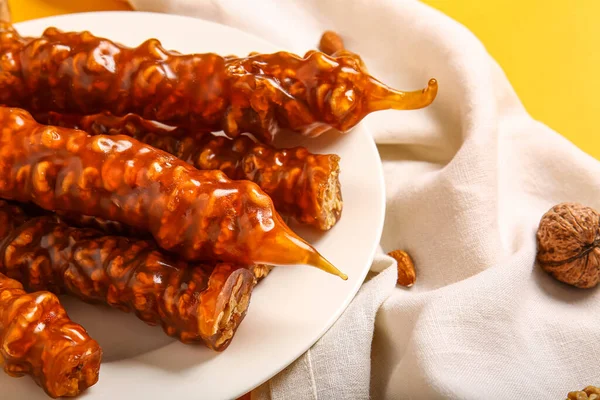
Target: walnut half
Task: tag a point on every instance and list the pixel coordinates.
(568, 238)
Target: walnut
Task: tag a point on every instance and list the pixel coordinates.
(406, 268)
(589, 393)
(568, 239)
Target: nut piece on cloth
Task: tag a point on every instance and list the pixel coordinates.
(568, 238)
(406, 268)
(589, 393)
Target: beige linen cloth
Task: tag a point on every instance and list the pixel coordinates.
(467, 181)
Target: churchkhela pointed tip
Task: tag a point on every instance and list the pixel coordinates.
(288, 249)
(382, 97)
(318, 261)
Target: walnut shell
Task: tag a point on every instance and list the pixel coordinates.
(589, 393)
(568, 238)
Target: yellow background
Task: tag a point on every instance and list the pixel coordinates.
(550, 50)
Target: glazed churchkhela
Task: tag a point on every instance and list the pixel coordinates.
(260, 94)
(85, 221)
(37, 338)
(113, 228)
(302, 185)
(194, 302)
(200, 215)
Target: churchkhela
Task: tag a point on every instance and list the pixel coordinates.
(200, 215)
(302, 185)
(38, 339)
(196, 303)
(264, 94)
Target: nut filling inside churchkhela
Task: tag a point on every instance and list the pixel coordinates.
(302, 185)
(263, 94)
(199, 215)
(196, 303)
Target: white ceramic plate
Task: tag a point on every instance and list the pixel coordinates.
(289, 310)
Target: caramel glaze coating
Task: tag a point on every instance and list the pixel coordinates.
(76, 72)
(85, 221)
(102, 225)
(199, 215)
(105, 123)
(114, 228)
(111, 228)
(37, 338)
(200, 303)
(302, 185)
